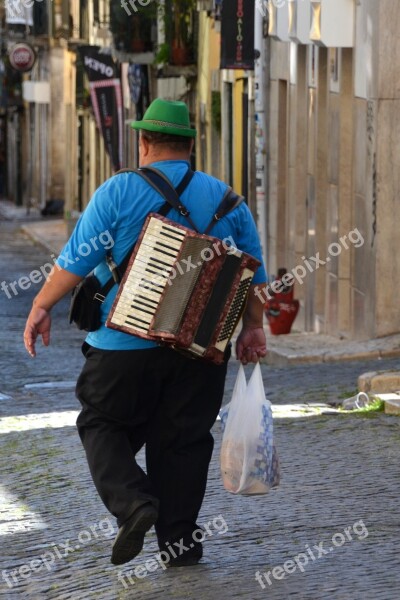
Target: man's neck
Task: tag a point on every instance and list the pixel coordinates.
(158, 157)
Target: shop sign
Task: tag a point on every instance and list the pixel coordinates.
(22, 57)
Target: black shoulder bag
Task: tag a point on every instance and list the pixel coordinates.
(89, 294)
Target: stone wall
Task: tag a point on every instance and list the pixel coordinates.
(334, 168)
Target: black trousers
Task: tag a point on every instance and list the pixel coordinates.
(164, 400)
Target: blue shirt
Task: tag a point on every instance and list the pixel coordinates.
(115, 216)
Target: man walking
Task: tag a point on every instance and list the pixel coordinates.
(132, 391)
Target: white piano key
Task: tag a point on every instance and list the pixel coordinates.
(157, 225)
(146, 269)
(133, 313)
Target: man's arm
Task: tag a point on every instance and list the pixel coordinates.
(59, 283)
(251, 343)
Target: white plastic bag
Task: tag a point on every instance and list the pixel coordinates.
(249, 461)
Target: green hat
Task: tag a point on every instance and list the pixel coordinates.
(166, 116)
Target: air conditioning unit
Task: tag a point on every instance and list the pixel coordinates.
(300, 21)
(332, 23)
(278, 28)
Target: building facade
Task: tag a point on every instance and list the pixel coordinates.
(333, 161)
(52, 144)
(53, 148)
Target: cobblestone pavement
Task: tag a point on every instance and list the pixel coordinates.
(335, 515)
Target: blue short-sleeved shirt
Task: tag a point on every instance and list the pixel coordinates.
(115, 216)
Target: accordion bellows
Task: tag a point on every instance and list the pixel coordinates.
(183, 289)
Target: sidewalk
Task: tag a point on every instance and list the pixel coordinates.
(295, 348)
(298, 348)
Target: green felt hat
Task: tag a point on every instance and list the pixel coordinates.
(167, 116)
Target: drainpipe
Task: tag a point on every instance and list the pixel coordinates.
(261, 91)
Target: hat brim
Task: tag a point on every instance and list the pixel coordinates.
(169, 129)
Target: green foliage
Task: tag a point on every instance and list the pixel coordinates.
(377, 405)
(163, 55)
(347, 394)
(134, 31)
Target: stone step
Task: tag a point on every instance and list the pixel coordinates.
(392, 407)
(379, 382)
(391, 401)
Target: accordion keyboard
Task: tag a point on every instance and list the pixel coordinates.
(148, 275)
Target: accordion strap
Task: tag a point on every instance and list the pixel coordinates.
(163, 186)
(229, 202)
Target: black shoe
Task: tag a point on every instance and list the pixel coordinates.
(130, 537)
(188, 558)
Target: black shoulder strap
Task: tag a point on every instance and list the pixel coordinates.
(163, 186)
(186, 179)
(165, 208)
(229, 202)
(180, 188)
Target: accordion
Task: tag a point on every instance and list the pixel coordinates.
(183, 289)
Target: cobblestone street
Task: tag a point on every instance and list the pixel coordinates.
(334, 516)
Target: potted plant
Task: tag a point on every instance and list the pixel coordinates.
(182, 31)
(177, 19)
(132, 31)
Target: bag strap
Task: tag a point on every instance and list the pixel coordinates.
(229, 202)
(119, 270)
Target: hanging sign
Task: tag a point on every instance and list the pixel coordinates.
(106, 97)
(237, 34)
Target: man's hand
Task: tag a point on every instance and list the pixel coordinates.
(38, 323)
(58, 283)
(251, 345)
